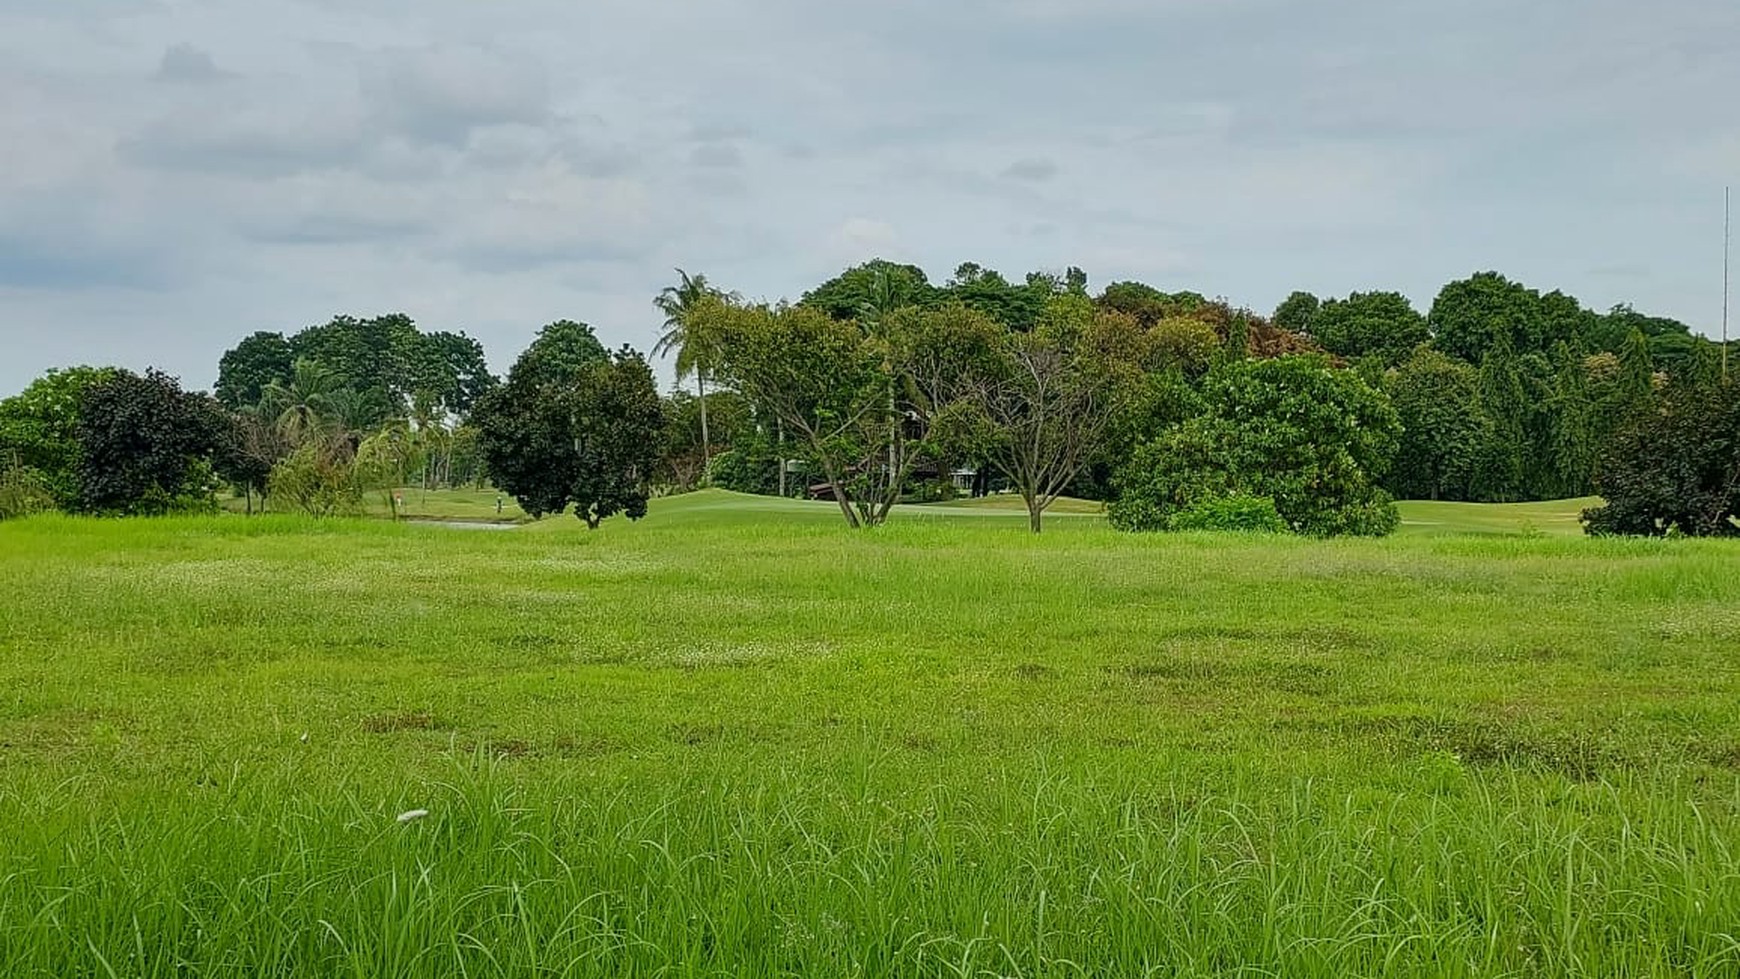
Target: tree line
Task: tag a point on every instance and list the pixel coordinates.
(879, 386)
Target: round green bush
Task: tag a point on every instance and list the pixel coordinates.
(1235, 511)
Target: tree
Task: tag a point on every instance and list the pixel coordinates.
(318, 479)
(694, 356)
(1296, 312)
(22, 490)
(1017, 307)
(1312, 440)
(1376, 324)
(684, 465)
(1676, 470)
(1503, 405)
(826, 383)
(1047, 400)
(1636, 382)
(1182, 343)
(1436, 398)
(1147, 304)
(573, 424)
(449, 373)
(618, 426)
(377, 357)
(251, 446)
(1238, 339)
(306, 406)
(39, 429)
(146, 445)
(248, 368)
(879, 283)
(1471, 315)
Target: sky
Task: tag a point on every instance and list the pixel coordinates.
(176, 174)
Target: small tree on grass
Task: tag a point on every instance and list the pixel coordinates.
(573, 425)
(1675, 470)
(146, 445)
(828, 384)
(1040, 405)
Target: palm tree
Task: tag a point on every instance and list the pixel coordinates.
(677, 303)
(304, 406)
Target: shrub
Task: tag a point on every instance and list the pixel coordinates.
(1235, 511)
(23, 492)
(750, 467)
(1311, 439)
(318, 479)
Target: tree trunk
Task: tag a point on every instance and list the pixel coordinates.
(1034, 512)
(845, 504)
(781, 425)
(706, 442)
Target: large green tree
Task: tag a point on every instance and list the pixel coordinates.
(1471, 316)
(248, 368)
(1572, 446)
(1297, 311)
(879, 284)
(1675, 469)
(1499, 475)
(1383, 325)
(1436, 398)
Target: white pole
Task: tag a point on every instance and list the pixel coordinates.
(1727, 237)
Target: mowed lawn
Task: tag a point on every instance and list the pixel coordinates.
(736, 739)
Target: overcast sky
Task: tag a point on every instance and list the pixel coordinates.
(175, 174)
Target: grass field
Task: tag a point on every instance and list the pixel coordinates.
(736, 739)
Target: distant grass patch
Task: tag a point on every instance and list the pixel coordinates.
(737, 739)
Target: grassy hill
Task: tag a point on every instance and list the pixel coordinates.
(737, 739)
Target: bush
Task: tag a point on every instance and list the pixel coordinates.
(319, 480)
(23, 492)
(1235, 511)
(750, 467)
(1675, 471)
(1311, 439)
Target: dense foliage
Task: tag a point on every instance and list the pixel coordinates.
(1676, 470)
(146, 445)
(573, 425)
(1310, 439)
(881, 385)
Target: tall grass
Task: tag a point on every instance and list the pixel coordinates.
(740, 741)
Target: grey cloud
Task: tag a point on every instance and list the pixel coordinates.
(724, 156)
(258, 143)
(1033, 171)
(68, 264)
(185, 63)
(714, 132)
(443, 95)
